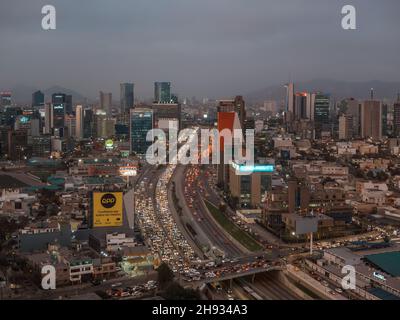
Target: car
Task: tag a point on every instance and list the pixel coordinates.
(325, 283)
(116, 284)
(338, 290)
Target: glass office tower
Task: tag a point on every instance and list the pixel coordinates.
(141, 122)
(162, 92)
(38, 99)
(59, 109)
(127, 96)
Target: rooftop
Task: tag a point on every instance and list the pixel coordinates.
(9, 182)
(389, 262)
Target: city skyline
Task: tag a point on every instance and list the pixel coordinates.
(22, 94)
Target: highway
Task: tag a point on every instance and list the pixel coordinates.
(268, 286)
(165, 233)
(156, 224)
(191, 196)
(200, 241)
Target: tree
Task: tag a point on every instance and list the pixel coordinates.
(234, 202)
(164, 275)
(222, 207)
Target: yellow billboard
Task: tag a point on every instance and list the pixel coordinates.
(107, 209)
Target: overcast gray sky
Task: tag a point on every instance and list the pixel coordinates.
(209, 48)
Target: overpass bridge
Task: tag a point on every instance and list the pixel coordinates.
(236, 275)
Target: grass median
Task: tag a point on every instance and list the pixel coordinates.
(243, 237)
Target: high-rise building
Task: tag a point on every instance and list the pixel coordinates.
(38, 99)
(162, 92)
(353, 110)
(108, 128)
(3, 140)
(70, 125)
(226, 121)
(106, 102)
(371, 119)
(290, 98)
(164, 113)
(174, 98)
(385, 127)
(321, 113)
(48, 118)
(41, 146)
(68, 104)
(396, 117)
(17, 144)
(231, 115)
(58, 98)
(345, 126)
(141, 121)
(79, 122)
(88, 123)
(127, 97)
(58, 114)
(104, 126)
(300, 111)
(248, 189)
(290, 104)
(8, 115)
(5, 99)
(28, 123)
(35, 127)
(236, 105)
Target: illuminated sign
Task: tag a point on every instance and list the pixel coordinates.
(107, 209)
(125, 153)
(128, 171)
(254, 168)
(24, 119)
(109, 144)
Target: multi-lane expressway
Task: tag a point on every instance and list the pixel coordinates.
(210, 233)
(158, 192)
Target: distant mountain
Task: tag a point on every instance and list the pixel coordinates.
(23, 94)
(338, 89)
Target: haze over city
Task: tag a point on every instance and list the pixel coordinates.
(206, 48)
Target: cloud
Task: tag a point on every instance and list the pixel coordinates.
(206, 48)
